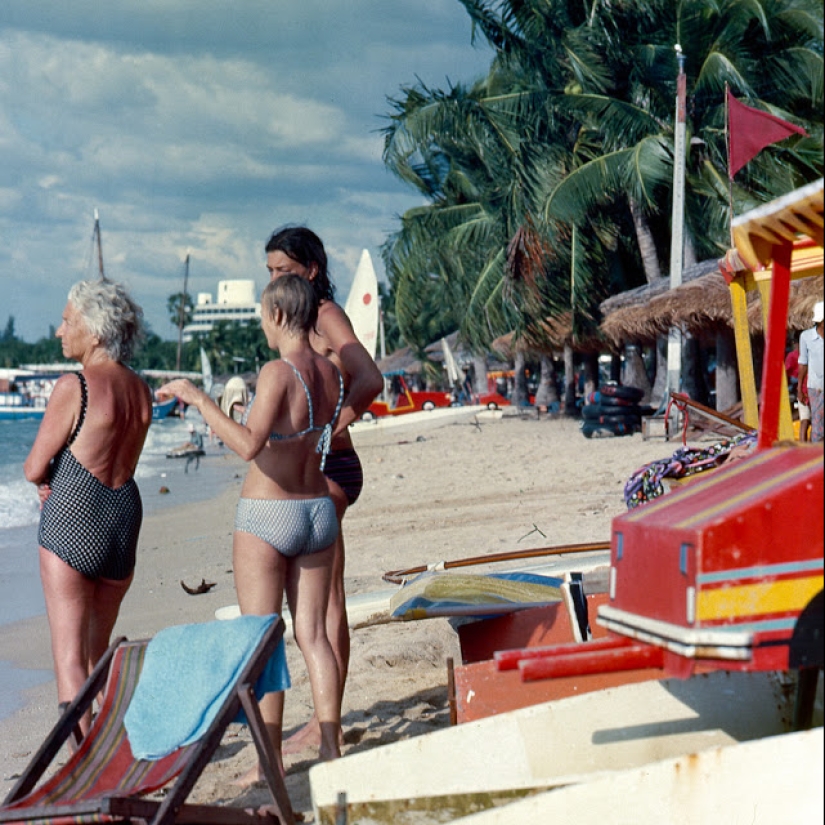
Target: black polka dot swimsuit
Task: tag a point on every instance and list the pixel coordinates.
(91, 527)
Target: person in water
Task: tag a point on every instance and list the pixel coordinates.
(285, 521)
(83, 462)
(299, 251)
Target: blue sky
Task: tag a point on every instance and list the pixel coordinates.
(200, 126)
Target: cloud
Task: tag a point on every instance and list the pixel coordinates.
(199, 125)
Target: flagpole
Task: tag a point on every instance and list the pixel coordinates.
(674, 341)
(727, 150)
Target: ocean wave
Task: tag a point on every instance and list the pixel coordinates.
(18, 504)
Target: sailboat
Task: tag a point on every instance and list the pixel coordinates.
(363, 304)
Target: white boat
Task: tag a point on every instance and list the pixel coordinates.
(765, 782)
(458, 770)
(425, 419)
(15, 406)
(363, 304)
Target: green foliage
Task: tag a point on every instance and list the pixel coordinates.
(548, 183)
(180, 308)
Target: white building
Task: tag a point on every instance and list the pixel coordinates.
(235, 302)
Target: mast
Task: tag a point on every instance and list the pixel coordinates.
(674, 343)
(182, 311)
(99, 244)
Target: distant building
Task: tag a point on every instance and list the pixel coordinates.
(235, 302)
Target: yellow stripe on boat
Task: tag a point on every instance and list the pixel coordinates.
(760, 598)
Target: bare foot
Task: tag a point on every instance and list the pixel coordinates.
(309, 736)
(252, 776)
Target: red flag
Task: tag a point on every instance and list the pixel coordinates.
(751, 130)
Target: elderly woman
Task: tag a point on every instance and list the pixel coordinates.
(83, 463)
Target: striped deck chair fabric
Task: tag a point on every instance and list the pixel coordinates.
(103, 782)
(103, 765)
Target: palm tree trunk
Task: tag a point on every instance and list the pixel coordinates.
(660, 379)
(727, 385)
(519, 381)
(547, 394)
(635, 374)
(646, 241)
(480, 374)
(569, 381)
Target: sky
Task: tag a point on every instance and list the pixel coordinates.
(198, 127)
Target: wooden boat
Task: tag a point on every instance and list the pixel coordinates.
(773, 780)
(461, 769)
(161, 409)
(186, 451)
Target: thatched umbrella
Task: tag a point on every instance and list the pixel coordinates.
(402, 360)
(642, 315)
(700, 306)
(554, 335)
(804, 294)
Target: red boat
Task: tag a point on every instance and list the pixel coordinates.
(723, 574)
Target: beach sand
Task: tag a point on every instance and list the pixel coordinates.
(433, 491)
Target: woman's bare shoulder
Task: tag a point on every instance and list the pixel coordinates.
(334, 326)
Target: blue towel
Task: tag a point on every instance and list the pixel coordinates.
(187, 674)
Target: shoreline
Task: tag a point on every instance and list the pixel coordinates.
(434, 493)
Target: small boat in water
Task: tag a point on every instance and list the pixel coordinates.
(161, 409)
(15, 406)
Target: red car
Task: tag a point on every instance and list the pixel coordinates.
(407, 400)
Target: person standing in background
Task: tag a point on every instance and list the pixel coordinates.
(811, 368)
(792, 371)
(83, 462)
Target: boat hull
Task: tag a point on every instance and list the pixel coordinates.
(162, 409)
(772, 780)
(474, 766)
(21, 413)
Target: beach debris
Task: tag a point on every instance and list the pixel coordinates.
(534, 530)
(203, 587)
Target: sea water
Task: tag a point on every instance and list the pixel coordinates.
(21, 596)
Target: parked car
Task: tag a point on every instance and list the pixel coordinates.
(406, 400)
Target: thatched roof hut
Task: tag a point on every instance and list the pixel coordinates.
(701, 305)
(556, 333)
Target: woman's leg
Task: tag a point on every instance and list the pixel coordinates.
(337, 628)
(108, 596)
(337, 622)
(260, 574)
(69, 598)
(308, 584)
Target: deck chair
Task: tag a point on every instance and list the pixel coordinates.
(103, 782)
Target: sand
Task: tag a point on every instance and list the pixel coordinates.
(434, 490)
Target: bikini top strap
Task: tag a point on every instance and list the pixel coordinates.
(84, 401)
(325, 441)
(300, 377)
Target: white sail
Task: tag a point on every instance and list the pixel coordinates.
(206, 371)
(449, 363)
(362, 305)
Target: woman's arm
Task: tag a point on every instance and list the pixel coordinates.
(237, 437)
(365, 380)
(55, 428)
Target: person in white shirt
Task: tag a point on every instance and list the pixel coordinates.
(812, 365)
